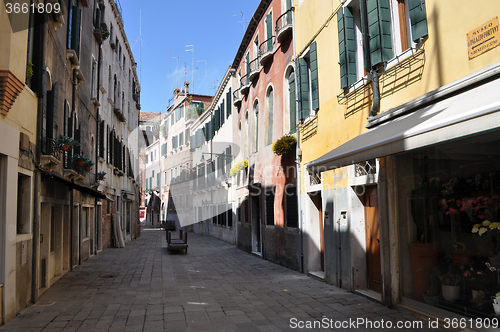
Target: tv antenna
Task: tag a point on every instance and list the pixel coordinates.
(242, 20)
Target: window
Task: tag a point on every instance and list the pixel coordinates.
(74, 24)
(292, 214)
(93, 81)
(270, 115)
(393, 27)
(308, 83)
(291, 109)
(85, 216)
(171, 174)
(256, 126)
(165, 177)
(147, 157)
(270, 207)
(158, 183)
(23, 204)
(187, 171)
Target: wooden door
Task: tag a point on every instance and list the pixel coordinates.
(373, 240)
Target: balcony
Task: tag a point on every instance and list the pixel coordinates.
(119, 114)
(254, 68)
(50, 154)
(284, 25)
(237, 97)
(244, 84)
(266, 50)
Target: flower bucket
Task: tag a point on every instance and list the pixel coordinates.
(87, 168)
(64, 147)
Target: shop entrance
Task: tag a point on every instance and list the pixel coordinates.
(372, 222)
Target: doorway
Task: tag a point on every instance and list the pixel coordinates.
(255, 221)
(372, 222)
(317, 219)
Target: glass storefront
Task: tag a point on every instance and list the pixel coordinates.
(449, 225)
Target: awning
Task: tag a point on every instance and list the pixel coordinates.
(78, 187)
(468, 113)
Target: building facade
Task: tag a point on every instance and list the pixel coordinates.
(267, 218)
(67, 208)
(398, 150)
(214, 153)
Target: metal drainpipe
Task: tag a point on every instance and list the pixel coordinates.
(297, 162)
(376, 94)
(36, 200)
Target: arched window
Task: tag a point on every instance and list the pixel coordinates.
(256, 126)
(270, 115)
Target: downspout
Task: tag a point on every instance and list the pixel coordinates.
(36, 200)
(297, 162)
(72, 191)
(376, 94)
(373, 74)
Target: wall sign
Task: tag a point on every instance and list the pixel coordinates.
(483, 38)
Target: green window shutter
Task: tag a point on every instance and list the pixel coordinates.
(75, 30)
(289, 15)
(222, 113)
(379, 27)
(304, 89)
(347, 47)
(158, 180)
(248, 68)
(206, 133)
(293, 110)
(217, 119)
(269, 28)
(314, 76)
(228, 102)
(418, 19)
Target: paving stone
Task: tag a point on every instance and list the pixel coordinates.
(216, 287)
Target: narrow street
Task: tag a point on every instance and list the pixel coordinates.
(215, 287)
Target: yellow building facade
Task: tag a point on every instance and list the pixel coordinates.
(18, 108)
(398, 122)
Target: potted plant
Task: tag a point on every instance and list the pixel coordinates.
(238, 167)
(284, 145)
(64, 142)
(79, 159)
(100, 175)
(432, 295)
(87, 164)
(450, 286)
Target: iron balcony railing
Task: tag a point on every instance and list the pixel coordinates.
(244, 83)
(254, 68)
(284, 22)
(50, 147)
(266, 48)
(237, 97)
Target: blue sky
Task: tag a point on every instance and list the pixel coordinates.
(171, 25)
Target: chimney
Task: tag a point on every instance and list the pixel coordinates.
(186, 87)
(176, 92)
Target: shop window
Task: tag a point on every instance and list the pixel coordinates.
(449, 208)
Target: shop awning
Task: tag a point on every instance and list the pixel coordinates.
(468, 113)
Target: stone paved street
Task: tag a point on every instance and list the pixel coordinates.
(215, 287)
